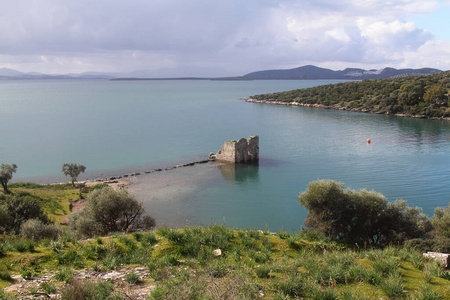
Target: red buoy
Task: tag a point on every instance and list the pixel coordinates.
(368, 141)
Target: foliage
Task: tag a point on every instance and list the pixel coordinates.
(425, 95)
(441, 225)
(35, 229)
(314, 269)
(6, 172)
(351, 216)
(109, 210)
(18, 209)
(84, 289)
(72, 170)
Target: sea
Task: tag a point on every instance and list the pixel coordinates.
(122, 127)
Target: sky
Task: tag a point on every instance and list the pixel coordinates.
(172, 38)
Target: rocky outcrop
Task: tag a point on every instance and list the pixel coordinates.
(242, 151)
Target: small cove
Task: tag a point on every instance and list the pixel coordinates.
(117, 128)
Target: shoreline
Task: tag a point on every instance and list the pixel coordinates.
(338, 107)
(125, 180)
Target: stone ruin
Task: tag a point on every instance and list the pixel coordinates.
(442, 258)
(242, 151)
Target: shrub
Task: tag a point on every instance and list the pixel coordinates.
(132, 278)
(110, 210)
(84, 289)
(35, 229)
(5, 275)
(24, 245)
(48, 287)
(351, 216)
(19, 209)
(65, 275)
(282, 234)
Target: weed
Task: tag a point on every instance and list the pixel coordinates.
(48, 287)
(263, 272)
(426, 293)
(79, 289)
(132, 278)
(64, 274)
(282, 234)
(392, 286)
(24, 245)
(294, 286)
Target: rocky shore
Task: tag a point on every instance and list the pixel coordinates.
(338, 107)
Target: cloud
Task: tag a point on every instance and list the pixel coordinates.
(198, 36)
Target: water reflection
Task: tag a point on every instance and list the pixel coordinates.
(238, 172)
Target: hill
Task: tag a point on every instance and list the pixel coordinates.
(424, 96)
(313, 72)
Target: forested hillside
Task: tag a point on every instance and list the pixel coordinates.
(420, 96)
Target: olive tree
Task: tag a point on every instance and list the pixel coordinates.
(6, 172)
(72, 170)
(110, 210)
(351, 216)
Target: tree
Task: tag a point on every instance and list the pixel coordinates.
(72, 170)
(351, 216)
(435, 93)
(6, 172)
(110, 210)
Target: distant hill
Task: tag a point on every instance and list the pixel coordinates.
(300, 73)
(313, 72)
(10, 74)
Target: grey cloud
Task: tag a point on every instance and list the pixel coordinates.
(233, 36)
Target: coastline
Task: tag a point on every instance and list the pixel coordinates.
(338, 107)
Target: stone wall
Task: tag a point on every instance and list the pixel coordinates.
(242, 151)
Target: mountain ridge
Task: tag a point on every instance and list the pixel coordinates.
(307, 72)
(313, 72)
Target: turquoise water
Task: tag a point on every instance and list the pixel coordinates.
(118, 127)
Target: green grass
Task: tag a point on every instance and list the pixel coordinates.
(55, 199)
(182, 264)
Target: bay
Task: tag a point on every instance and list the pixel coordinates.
(117, 127)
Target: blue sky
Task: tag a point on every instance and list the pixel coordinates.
(166, 38)
(436, 22)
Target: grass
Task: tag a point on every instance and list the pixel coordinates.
(182, 264)
(54, 198)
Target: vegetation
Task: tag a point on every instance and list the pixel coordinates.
(350, 216)
(183, 264)
(216, 262)
(425, 96)
(109, 210)
(6, 172)
(73, 170)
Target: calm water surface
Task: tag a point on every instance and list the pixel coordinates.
(119, 127)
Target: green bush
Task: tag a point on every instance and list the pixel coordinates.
(48, 287)
(65, 275)
(110, 210)
(36, 230)
(24, 245)
(351, 216)
(132, 278)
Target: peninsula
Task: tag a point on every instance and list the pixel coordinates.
(423, 96)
